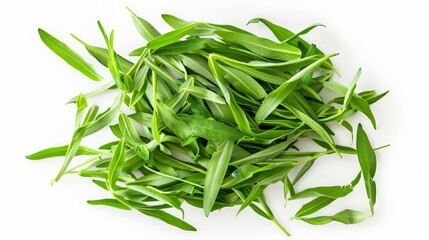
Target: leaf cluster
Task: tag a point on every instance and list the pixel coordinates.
(214, 115)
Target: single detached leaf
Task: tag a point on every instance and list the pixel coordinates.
(68, 55)
(328, 191)
(314, 206)
(168, 218)
(368, 164)
(146, 30)
(215, 174)
(346, 216)
(109, 202)
(60, 151)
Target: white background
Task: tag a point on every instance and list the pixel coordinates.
(382, 37)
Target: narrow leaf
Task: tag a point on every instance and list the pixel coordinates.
(60, 151)
(116, 164)
(368, 164)
(70, 56)
(215, 174)
(347, 216)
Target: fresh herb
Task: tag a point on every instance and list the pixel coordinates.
(211, 115)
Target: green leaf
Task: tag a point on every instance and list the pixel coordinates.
(304, 169)
(361, 105)
(281, 33)
(374, 99)
(179, 99)
(113, 61)
(203, 93)
(249, 69)
(161, 71)
(285, 35)
(262, 46)
(258, 189)
(314, 206)
(128, 130)
(356, 102)
(368, 164)
(175, 22)
(198, 65)
(328, 191)
(168, 218)
(170, 37)
(211, 129)
(105, 118)
(238, 113)
(244, 83)
(71, 151)
(68, 55)
(304, 31)
(245, 171)
(314, 126)
(268, 153)
(215, 174)
(156, 194)
(102, 55)
(187, 46)
(255, 208)
(94, 92)
(277, 96)
(146, 30)
(350, 91)
(116, 164)
(346, 216)
(110, 203)
(60, 151)
(173, 122)
(221, 112)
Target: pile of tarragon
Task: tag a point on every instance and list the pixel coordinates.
(210, 115)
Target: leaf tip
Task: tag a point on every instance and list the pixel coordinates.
(254, 20)
(206, 211)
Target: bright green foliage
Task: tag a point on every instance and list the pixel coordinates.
(211, 115)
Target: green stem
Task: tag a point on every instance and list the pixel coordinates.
(137, 65)
(83, 164)
(273, 219)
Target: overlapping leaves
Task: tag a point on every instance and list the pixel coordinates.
(211, 115)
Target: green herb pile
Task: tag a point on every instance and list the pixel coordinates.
(210, 115)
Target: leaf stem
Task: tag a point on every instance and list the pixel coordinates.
(273, 219)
